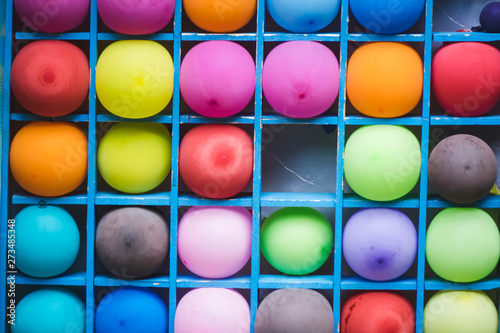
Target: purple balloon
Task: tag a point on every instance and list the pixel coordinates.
(300, 79)
(136, 17)
(379, 244)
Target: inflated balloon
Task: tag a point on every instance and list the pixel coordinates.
(379, 244)
(382, 162)
(212, 310)
(216, 161)
(134, 78)
(215, 242)
(49, 158)
(300, 79)
(296, 240)
(118, 312)
(460, 311)
(220, 16)
(465, 78)
(135, 157)
(387, 16)
(490, 17)
(47, 241)
(462, 168)
(52, 16)
(294, 311)
(217, 78)
(377, 312)
(136, 17)
(384, 79)
(302, 16)
(50, 77)
(49, 310)
(132, 242)
(462, 244)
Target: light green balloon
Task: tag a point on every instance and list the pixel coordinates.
(460, 312)
(462, 244)
(382, 162)
(296, 240)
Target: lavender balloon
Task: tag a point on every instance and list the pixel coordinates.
(379, 244)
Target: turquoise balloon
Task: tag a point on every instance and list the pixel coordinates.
(50, 310)
(47, 241)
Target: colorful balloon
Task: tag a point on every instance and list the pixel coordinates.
(490, 17)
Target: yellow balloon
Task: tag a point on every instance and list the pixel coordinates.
(135, 78)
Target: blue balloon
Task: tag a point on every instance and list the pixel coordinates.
(131, 310)
(303, 16)
(47, 241)
(49, 310)
(490, 17)
(387, 16)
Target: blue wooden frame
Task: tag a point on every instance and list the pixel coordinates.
(334, 282)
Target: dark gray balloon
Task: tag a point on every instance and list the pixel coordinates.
(462, 168)
(132, 242)
(294, 311)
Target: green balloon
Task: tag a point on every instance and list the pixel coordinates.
(382, 162)
(463, 244)
(460, 312)
(296, 240)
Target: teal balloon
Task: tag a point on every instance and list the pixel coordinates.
(47, 241)
(50, 310)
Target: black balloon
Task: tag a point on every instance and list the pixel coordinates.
(462, 168)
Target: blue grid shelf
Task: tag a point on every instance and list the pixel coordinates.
(94, 198)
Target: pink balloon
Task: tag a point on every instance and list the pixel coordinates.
(300, 79)
(135, 17)
(215, 242)
(217, 78)
(212, 310)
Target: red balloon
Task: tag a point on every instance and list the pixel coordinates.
(216, 161)
(466, 78)
(50, 77)
(377, 312)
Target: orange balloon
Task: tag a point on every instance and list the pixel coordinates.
(48, 158)
(220, 15)
(385, 79)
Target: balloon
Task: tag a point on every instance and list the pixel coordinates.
(382, 162)
(303, 16)
(49, 310)
(220, 16)
(377, 312)
(387, 16)
(136, 17)
(294, 311)
(50, 77)
(216, 161)
(300, 79)
(135, 78)
(462, 244)
(135, 157)
(212, 310)
(217, 78)
(118, 312)
(49, 158)
(52, 16)
(460, 312)
(465, 78)
(379, 244)
(490, 17)
(296, 240)
(215, 242)
(384, 79)
(462, 168)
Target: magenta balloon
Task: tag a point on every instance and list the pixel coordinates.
(217, 78)
(135, 17)
(52, 15)
(300, 79)
(379, 243)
